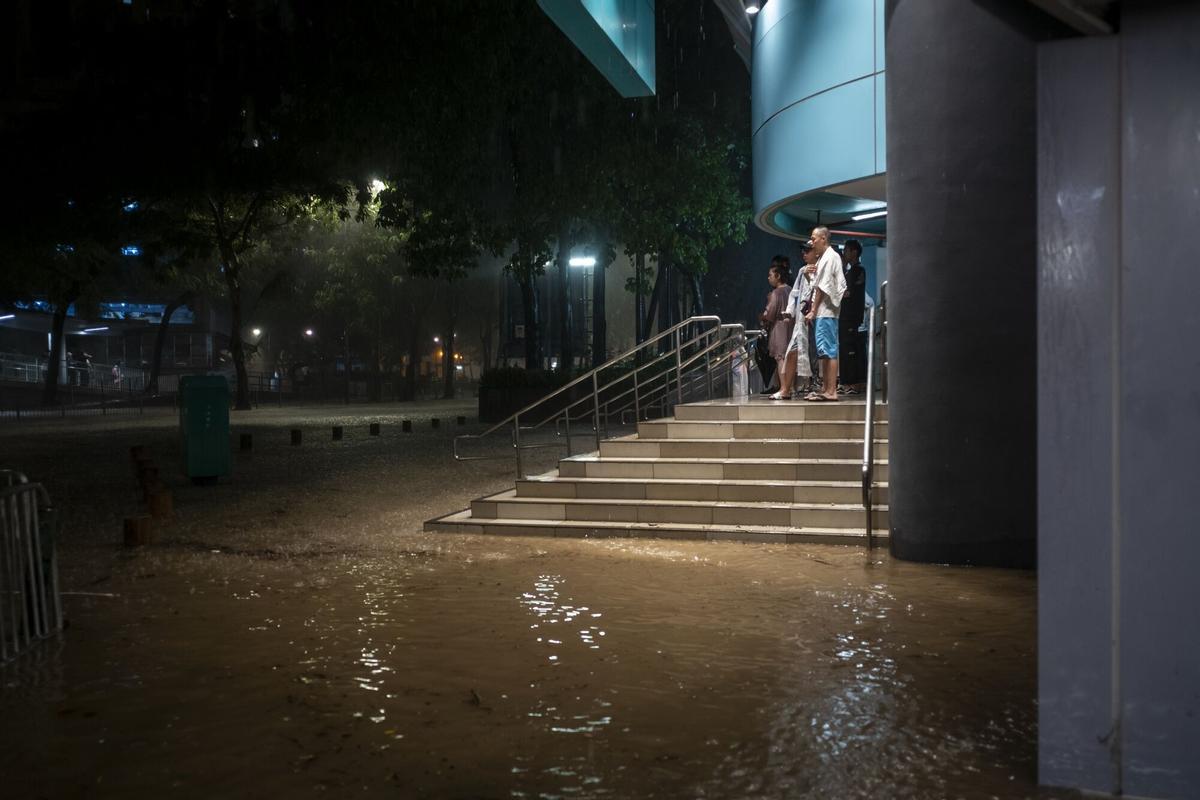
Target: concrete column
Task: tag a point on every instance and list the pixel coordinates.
(1158, 539)
(962, 225)
(1119, 415)
(1079, 208)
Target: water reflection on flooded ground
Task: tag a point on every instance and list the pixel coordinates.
(307, 638)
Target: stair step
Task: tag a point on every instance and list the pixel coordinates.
(640, 447)
(790, 410)
(762, 469)
(463, 522)
(507, 505)
(675, 428)
(712, 490)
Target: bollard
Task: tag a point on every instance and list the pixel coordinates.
(138, 531)
(162, 505)
(297, 436)
(246, 442)
(462, 420)
(150, 488)
(141, 465)
(374, 428)
(406, 426)
(337, 433)
(435, 422)
(147, 473)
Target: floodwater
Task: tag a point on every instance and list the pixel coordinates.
(295, 634)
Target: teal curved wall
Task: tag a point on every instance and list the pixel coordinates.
(817, 102)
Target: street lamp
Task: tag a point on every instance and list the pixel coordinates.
(256, 331)
(309, 332)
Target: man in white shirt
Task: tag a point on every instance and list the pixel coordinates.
(830, 286)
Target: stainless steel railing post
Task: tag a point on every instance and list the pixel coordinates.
(637, 400)
(517, 443)
(678, 369)
(708, 362)
(868, 462)
(567, 417)
(883, 338)
(596, 406)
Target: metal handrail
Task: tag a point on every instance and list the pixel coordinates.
(868, 460)
(665, 389)
(593, 376)
(883, 336)
(666, 374)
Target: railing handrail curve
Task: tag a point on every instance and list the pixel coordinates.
(868, 458)
(710, 339)
(588, 375)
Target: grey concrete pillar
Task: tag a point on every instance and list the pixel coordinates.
(1119, 407)
(962, 239)
(1080, 226)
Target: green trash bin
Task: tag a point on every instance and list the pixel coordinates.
(204, 426)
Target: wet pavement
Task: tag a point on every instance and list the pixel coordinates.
(294, 633)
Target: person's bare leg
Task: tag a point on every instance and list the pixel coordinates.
(829, 373)
(788, 381)
(781, 371)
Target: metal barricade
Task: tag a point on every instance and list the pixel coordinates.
(30, 608)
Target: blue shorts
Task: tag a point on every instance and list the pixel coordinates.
(827, 337)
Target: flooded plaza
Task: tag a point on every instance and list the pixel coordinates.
(294, 632)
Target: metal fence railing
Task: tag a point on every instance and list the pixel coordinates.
(30, 608)
(86, 375)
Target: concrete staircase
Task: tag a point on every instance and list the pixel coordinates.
(723, 470)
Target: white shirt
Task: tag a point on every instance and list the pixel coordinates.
(832, 282)
(801, 291)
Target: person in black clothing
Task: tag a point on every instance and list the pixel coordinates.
(854, 375)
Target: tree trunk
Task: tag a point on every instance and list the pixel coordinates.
(566, 355)
(639, 307)
(599, 322)
(448, 356)
(529, 303)
(655, 299)
(666, 299)
(59, 322)
(414, 358)
(696, 280)
(375, 392)
(346, 356)
(485, 346)
(160, 339)
(234, 284)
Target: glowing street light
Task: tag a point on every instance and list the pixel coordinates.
(256, 331)
(6, 316)
(752, 7)
(582, 261)
(309, 332)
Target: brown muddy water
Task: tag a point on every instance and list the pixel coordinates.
(294, 633)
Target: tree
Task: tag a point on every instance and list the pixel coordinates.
(67, 254)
